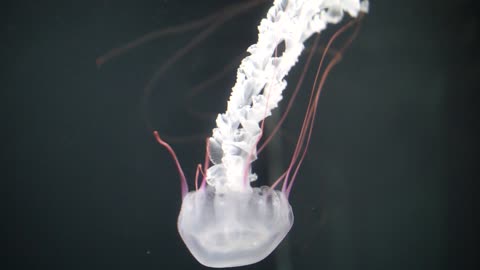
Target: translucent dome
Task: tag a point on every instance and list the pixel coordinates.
(234, 228)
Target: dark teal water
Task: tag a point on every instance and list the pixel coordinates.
(387, 182)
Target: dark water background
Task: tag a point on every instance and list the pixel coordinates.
(388, 182)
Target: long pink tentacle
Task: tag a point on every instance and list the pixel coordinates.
(183, 179)
(307, 126)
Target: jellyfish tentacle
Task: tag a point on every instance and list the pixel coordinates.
(227, 13)
(183, 179)
(205, 164)
(310, 115)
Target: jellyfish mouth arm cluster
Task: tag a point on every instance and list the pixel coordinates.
(260, 83)
(225, 222)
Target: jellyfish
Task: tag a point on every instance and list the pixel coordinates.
(225, 221)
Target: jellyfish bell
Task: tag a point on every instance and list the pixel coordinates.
(234, 228)
(228, 225)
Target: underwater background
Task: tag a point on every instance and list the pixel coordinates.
(388, 182)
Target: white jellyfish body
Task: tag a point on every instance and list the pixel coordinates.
(234, 228)
(225, 222)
